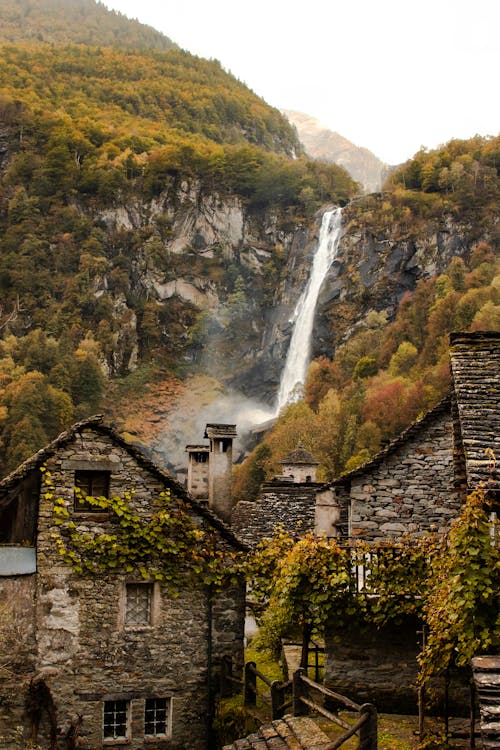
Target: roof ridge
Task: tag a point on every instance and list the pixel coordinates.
(97, 422)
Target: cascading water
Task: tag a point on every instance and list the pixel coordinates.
(299, 352)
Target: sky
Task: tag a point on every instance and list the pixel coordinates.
(389, 75)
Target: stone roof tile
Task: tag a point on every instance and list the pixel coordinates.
(475, 367)
(289, 733)
(299, 456)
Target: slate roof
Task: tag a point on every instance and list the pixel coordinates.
(299, 456)
(411, 432)
(289, 733)
(220, 430)
(96, 423)
(475, 367)
(486, 671)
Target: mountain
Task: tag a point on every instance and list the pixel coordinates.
(158, 223)
(75, 22)
(322, 143)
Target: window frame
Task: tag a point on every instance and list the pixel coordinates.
(153, 589)
(93, 476)
(117, 739)
(167, 734)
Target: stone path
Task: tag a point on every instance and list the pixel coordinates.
(289, 733)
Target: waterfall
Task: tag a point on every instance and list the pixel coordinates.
(299, 352)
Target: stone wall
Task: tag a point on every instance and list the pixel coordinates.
(279, 503)
(17, 647)
(85, 652)
(375, 666)
(379, 665)
(407, 491)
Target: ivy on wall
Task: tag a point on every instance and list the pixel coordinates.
(166, 546)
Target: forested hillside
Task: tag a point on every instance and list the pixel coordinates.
(108, 159)
(75, 22)
(158, 219)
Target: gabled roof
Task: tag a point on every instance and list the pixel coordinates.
(96, 424)
(475, 368)
(299, 456)
(443, 407)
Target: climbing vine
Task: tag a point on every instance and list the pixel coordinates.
(451, 582)
(166, 546)
(303, 582)
(462, 610)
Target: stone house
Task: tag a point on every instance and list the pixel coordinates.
(210, 469)
(415, 485)
(97, 661)
(288, 500)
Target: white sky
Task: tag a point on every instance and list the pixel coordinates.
(391, 75)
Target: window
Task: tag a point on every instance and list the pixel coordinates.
(157, 717)
(200, 458)
(138, 605)
(94, 483)
(116, 720)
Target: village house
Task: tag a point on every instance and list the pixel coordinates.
(116, 658)
(288, 500)
(418, 482)
(415, 485)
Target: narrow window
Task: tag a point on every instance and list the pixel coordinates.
(139, 600)
(94, 483)
(156, 717)
(116, 720)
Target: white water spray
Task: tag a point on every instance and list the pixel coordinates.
(299, 352)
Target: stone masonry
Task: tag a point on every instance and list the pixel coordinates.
(76, 652)
(279, 503)
(406, 489)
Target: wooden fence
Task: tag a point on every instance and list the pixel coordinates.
(297, 694)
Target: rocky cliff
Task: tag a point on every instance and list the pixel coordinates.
(239, 273)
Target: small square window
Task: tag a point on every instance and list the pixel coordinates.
(157, 717)
(138, 607)
(93, 483)
(116, 720)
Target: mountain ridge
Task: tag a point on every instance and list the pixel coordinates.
(320, 142)
(78, 22)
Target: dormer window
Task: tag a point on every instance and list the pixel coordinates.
(93, 483)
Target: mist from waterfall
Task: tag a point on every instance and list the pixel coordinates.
(299, 352)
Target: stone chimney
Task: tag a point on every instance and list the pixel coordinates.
(220, 466)
(197, 475)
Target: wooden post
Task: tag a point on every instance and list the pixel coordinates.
(472, 725)
(298, 687)
(421, 710)
(368, 731)
(276, 700)
(250, 684)
(446, 708)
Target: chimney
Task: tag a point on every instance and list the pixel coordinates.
(220, 466)
(197, 474)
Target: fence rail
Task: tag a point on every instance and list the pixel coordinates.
(299, 690)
